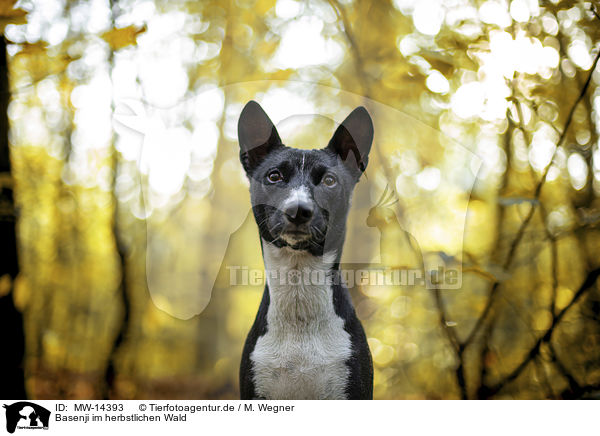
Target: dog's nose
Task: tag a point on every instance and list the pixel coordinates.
(299, 211)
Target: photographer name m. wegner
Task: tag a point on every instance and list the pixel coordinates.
(440, 278)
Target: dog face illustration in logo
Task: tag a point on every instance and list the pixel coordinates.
(26, 414)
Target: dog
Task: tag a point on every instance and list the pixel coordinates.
(306, 341)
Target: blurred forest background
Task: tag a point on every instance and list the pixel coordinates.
(123, 188)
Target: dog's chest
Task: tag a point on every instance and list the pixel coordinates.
(304, 351)
(302, 365)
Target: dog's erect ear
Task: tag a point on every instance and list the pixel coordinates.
(257, 136)
(352, 139)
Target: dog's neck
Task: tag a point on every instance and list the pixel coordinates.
(300, 292)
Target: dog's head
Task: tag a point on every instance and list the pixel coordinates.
(301, 198)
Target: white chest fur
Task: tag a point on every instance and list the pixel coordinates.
(303, 353)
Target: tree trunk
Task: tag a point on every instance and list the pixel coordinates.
(124, 326)
(12, 340)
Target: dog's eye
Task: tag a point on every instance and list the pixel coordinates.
(329, 180)
(274, 176)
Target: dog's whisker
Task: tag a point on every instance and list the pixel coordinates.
(319, 232)
(263, 221)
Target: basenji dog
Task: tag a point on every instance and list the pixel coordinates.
(306, 341)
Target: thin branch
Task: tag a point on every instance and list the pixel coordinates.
(358, 60)
(483, 316)
(553, 259)
(527, 220)
(453, 339)
(110, 375)
(587, 284)
(574, 385)
(554, 250)
(485, 350)
(340, 11)
(450, 332)
(568, 394)
(541, 372)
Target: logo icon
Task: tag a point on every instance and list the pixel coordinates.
(26, 415)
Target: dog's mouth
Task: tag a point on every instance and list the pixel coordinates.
(302, 238)
(294, 236)
(275, 229)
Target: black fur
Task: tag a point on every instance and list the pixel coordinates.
(344, 158)
(360, 365)
(258, 329)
